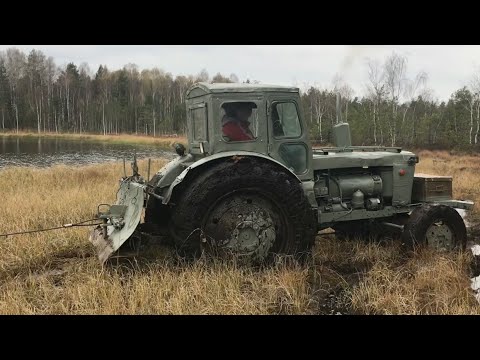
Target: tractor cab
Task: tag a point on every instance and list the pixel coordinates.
(256, 118)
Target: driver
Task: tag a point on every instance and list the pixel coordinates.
(235, 124)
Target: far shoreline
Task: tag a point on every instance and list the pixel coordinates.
(167, 141)
(164, 141)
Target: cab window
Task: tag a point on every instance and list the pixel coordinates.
(198, 116)
(285, 120)
(239, 121)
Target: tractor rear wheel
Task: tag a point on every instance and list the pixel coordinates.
(157, 218)
(249, 208)
(438, 227)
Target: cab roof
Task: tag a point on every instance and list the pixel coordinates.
(203, 88)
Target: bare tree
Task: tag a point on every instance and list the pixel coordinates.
(346, 92)
(219, 78)
(51, 78)
(395, 68)
(318, 104)
(203, 76)
(36, 75)
(156, 76)
(475, 88)
(376, 92)
(102, 78)
(4, 88)
(133, 91)
(470, 98)
(412, 87)
(84, 99)
(15, 66)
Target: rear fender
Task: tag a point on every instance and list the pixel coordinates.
(233, 155)
(167, 174)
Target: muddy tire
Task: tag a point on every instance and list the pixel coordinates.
(249, 207)
(157, 213)
(438, 227)
(157, 217)
(152, 211)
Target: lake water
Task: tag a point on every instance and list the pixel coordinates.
(44, 152)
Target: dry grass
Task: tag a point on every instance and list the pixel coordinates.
(160, 141)
(57, 272)
(426, 283)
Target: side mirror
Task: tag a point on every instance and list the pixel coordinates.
(180, 149)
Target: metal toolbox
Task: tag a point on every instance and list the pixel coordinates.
(431, 187)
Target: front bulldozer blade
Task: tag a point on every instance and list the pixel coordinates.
(120, 220)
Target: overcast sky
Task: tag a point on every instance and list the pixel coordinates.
(449, 67)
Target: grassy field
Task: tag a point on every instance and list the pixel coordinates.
(57, 272)
(160, 141)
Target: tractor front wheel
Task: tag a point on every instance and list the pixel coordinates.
(438, 227)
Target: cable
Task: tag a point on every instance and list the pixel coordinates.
(344, 214)
(81, 223)
(338, 186)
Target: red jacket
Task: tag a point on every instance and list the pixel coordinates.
(237, 131)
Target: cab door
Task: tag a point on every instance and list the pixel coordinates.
(288, 136)
(197, 118)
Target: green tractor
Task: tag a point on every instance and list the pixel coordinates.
(251, 185)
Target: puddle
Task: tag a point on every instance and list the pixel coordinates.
(475, 285)
(475, 250)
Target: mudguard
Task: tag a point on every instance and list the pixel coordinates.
(236, 155)
(121, 219)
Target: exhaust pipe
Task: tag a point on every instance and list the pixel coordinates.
(341, 131)
(339, 110)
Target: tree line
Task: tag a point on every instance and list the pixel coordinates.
(395, 110)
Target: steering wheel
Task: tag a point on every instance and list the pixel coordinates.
(278, 128)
